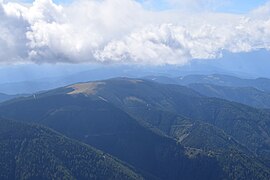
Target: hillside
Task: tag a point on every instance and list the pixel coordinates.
(212, 130)
(237, 120)
(245, 95)
(226, 80)
(35, 152)
(6, 97)
(252, 92)
(248, 126)
(96, 122)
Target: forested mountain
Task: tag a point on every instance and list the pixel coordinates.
(164, 131)
(35, 152)
(98, 123)
(229, 116)
(252, 92)
(6, 97)
(226, 80)
(249, 126)
(245, 95)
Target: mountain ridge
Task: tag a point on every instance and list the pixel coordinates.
(150, 103)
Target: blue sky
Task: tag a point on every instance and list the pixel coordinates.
(233, 6)
(241, 6)
(56, 1)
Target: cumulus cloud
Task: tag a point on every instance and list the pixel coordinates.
(12, 39)
(123, 31)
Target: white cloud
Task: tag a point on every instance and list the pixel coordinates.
(152, 45)
(12, 36)
(122, 31)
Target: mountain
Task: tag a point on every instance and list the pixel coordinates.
(225, 80)
(5, 97)
(245, 95)
(35, 79)
(146, 124)
(252, 92)
(94, 121)
(229, 116)
(262, 84)
(29, 87)
(36, 152)
(239, 121)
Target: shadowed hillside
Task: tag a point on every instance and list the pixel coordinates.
(34, 152)
(211, 129)
(99, 124)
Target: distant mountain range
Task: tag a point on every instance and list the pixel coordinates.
(252, 92)
(245, 95)
(164, 131)
(262, 84)
(31, 85)
(6, 97)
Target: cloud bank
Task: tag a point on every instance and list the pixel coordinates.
(123, 31)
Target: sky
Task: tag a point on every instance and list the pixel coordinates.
(235, 6)
(145, 32)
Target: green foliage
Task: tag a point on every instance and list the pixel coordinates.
(34, 152)
(100, 124)
(147, 124)
(211, 124)
(245, 95)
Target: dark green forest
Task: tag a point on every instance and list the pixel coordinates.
(142, 129)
